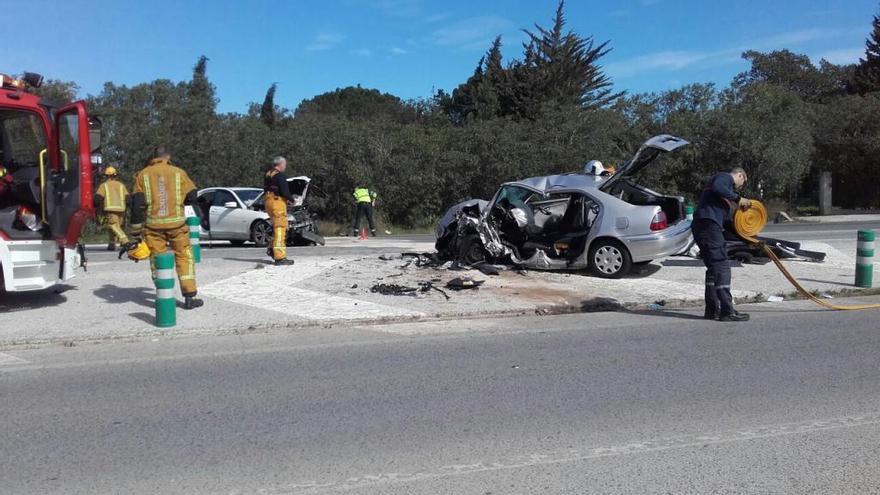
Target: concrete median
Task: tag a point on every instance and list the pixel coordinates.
(114, 300)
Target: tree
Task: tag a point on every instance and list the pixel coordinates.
(267, 110)
(793, 72)
(765, 129)
(565, 65)
(57, 91)
(867, 76)
(559, 68)
(356, 103)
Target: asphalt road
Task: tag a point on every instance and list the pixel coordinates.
(588, 403)
(806, 231)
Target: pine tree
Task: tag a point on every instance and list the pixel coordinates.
(267, 111)
(201, 91)
(867, 77)
(565, 65)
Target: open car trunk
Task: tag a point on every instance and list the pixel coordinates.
(624, 185)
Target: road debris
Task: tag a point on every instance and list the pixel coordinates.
(393, 290)
(404, 290)
(464, 283)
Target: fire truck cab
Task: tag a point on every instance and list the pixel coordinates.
(46, 198)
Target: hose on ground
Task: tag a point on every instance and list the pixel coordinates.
(749, 223)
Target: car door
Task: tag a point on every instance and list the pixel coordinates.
(228, 216)
(206, 198)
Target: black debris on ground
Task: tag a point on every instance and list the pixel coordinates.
(393, 290)
(464, 283)
(404, 290)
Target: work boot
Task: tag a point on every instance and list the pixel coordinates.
(190, 302)
(111, 247)
(734, 317)
(710, 315)
(373, 233)
(284, 261)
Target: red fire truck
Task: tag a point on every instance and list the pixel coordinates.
(46, 191)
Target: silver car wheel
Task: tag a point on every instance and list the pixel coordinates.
(262, 233)
(608, 259)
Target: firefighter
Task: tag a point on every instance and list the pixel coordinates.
(157, 213)
(277, 196)
(6, 182)
(111, 201)
(366, 200)
(711, 217)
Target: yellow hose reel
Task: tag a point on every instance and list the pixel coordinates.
(749, 223)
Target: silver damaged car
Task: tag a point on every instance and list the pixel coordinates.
(572, 221)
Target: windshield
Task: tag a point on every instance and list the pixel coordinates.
(23, 139)
(247, 196)
(514, 194)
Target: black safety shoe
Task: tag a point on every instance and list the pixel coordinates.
(192, 303)
(373, 233)
(734, 317)
(269, 252)
(284, 261)
(710, 315)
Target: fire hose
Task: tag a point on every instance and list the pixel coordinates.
(749, 223)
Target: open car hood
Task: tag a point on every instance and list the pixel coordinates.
(646, 154)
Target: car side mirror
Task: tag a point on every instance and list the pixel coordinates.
(230, 204)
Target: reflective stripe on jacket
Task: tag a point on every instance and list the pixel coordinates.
(164, 187)
(364, 195)
(114, 194)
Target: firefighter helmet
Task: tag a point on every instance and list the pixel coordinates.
(140, 252)
(110, 171)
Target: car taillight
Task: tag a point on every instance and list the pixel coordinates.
(28, 218)
(659, 222)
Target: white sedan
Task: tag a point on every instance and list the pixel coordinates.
(237, 214)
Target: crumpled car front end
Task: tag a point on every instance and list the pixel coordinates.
(465, 235)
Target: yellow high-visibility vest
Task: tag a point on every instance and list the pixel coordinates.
(363, 195)
(114, 193)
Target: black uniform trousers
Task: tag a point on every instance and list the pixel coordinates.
(364, 209)
(710, 239)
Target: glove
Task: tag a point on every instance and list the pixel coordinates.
(744, 203)
(128, 246)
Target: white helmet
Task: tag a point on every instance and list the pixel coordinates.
(594, 167)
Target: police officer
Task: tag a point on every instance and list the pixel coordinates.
(717, 201)
(365, 199)
(157, 212)
(277, 195)
(111, 201)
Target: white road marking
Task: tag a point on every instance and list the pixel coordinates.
(272, 289)
(9, 360)
(583, 454)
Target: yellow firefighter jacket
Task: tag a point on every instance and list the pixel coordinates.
(115, 194)
(164, 187)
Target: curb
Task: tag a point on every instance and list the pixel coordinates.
(594, 305)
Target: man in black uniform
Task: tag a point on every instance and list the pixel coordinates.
(712, 215)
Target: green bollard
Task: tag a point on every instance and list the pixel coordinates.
(166, 303)
(865, 259)
(689, 213)
(193, 224)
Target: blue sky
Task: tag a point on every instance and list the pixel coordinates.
(405, 47)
